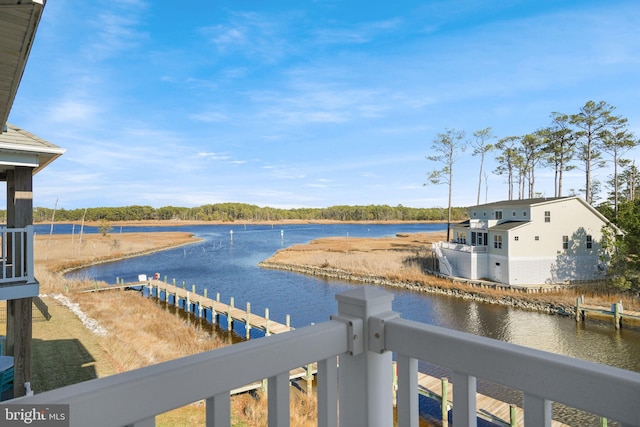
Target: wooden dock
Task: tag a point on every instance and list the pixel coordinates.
(201, 305)
(614, 314)
(489, 409)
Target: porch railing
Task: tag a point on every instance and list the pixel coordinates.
(16, 255)
(363, 336)
(463, 247)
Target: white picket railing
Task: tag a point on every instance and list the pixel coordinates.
(445, 266)
(462, 247)
(363, 336)
(16, 246)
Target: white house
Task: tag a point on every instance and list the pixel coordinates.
(527, 242)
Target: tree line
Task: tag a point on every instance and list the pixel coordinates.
(232, 212)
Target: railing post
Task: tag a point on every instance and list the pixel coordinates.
(464, 400)
(365, 377)
(29, 254)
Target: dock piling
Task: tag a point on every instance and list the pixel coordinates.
(266, 316)
(248, 321)
(229, 317)
(445, 401)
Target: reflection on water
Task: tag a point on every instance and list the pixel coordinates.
(230, 268)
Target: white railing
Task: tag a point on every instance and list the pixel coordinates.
(363, 335)
(479, 224)
(16, 257)
(463, 247)
(445, 266)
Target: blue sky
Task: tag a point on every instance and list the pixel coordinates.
(308, 104)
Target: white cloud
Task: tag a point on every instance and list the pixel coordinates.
(73, 111)
(210, 116)
(214, 156)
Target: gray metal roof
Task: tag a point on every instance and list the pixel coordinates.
(509, 225)
(18, 23)
(520, 202)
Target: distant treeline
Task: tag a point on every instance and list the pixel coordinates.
(230, 212)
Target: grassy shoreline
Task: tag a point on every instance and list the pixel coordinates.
(402, 261)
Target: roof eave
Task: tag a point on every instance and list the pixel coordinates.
(27, 34)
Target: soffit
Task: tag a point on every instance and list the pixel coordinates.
(18, 23)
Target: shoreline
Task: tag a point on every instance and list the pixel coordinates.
(403, 244)
(61, 254)
(516, 300)
(180, 223)
(126, 256)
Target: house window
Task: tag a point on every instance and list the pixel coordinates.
(565, 242)
(498, 214)
(513, 213)
(497, 242)
(474, 214)
(547, 216)
(516, 238)
(536, 238)
(484, 214)
(482, 239)
(462, 237)
(524, 213)
(589, 241)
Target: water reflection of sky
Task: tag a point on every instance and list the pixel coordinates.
(230, 268)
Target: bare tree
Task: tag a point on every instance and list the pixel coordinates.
(531, 147)
(592, 120)
(508, 160)
(560, 146)
(447, 148)
(480, 148)
(616, 141)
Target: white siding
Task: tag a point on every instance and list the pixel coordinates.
(468, 265)
(498, 267)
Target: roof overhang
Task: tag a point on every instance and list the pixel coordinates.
(19, 21)
(21, 148)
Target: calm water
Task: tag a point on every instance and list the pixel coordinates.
(229, 267)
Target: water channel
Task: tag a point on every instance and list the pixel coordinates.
(226, 259)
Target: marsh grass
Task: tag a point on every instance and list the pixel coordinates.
(407, 258)
(141, 333)
(62, 252)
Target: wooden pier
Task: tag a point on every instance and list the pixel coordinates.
(201, 305)
(489, 409)
(615, 314)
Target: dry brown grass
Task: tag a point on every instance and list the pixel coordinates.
(140, 333)
(66, 352)
(60, 252)
(405, 257)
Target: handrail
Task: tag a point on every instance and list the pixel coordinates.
(442, 258)
(16, 255)
(542, 376)
(363, 334)
(135, 397)
(463, 247)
